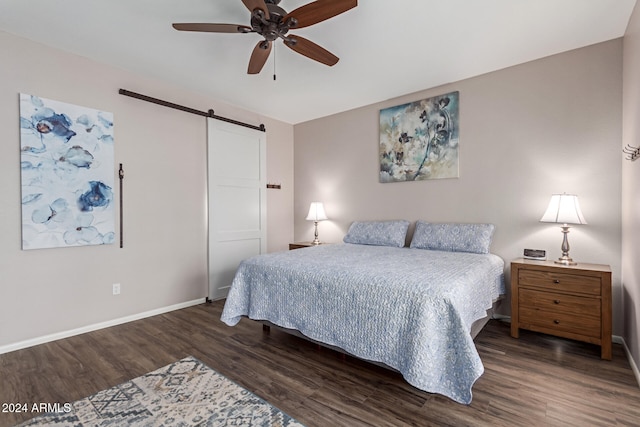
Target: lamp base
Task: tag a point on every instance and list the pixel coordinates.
(565, 260)
(316, 241)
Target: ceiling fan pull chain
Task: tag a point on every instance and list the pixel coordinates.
(274, 63)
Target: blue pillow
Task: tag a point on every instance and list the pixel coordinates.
(474, 238)
(379, 233)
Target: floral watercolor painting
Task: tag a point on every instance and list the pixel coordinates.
(419, 140)
(67, 164)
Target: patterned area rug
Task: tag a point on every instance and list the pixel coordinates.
(185, 393)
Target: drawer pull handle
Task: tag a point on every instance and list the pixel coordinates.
(556, 301)
(556, 281)
(557, 322)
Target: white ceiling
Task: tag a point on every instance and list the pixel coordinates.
(386, 48)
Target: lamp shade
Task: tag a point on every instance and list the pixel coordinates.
(564, 209)
(316, 212)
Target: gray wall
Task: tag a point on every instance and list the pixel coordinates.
(631, 188)
(547, 126)
(164, 259)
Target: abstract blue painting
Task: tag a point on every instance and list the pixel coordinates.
(419, 140)
(67, 173)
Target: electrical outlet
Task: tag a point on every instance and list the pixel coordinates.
(116, 288)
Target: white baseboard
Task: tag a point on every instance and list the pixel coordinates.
(619, 340)
(66, 334)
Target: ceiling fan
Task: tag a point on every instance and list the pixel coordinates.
(272, 22)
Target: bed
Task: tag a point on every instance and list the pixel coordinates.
(409, 308)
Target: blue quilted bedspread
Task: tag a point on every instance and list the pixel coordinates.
(411, 309)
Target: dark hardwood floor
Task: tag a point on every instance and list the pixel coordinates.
(536, 380)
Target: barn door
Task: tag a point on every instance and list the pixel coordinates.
(236, 200)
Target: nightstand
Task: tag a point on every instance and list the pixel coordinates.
(299, 245)
(567, 301)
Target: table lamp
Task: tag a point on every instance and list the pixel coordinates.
(316, 213)
(564, 209)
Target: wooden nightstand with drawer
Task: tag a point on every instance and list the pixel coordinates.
(300, 245)
(567, 301)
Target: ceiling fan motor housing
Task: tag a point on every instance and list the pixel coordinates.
(273, 27)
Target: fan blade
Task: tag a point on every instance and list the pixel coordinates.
(319, 11)
(311, 50)
(259, 56)
(257, 4)
(213, 28)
